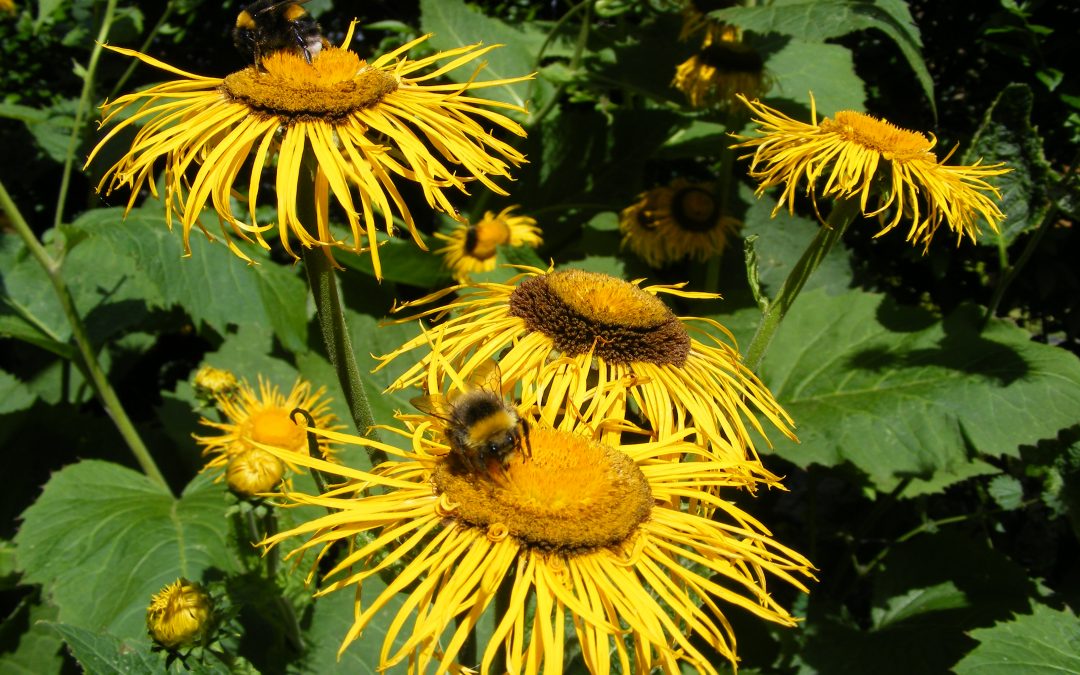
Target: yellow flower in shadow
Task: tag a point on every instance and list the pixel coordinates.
(677, 221)
(472, 248)
(264, 417)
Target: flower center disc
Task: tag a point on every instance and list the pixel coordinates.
(482, 239)
(579, 310)
(336, 83)
(570, 494)
(273, 427)
(694, 209)
(878, 135)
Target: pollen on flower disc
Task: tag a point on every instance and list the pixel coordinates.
(878, 135)
(274, 427)
(579, 310)
(336, 83)
(570, 494)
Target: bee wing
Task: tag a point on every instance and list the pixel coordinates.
(436, 406)
(486, 376)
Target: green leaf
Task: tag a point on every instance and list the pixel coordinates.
(817, 20)
(700, 138)
(456, 24)
(1007, 491)
(27, 645)
(1043, 643)
(927, 594)
(827, 71)
(284, 297)
(29, 310)
(101, 653)
(919, 601)
(50, 126)
(330, 621)
(212, 285)
(781, 241)
(14, 395)
(102, 539)
(1006, 135)
(900, 395)
(403, 262)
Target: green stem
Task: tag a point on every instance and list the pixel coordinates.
(575, 59)
(843, 212)
(331, 316)
(89, 365)
(80, 110)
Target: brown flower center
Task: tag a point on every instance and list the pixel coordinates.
(878, 135)
(335, 84)
(581, 310)
(695, 209)
(570, 494)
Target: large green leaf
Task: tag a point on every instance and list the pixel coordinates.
(456, 24)
(816, 20)
(1006, 135)
(102, 539)
(1045, 642)
(212, 285)
(901, 395)
(103, 653)
(800, 68)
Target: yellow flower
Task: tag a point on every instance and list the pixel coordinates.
(588, 343)
(887, 168)
(179, 615)
(358, 126)
(211, 383)
(472, 248)
(667, 224)
(723, 67)
(597, 534)
(252, 472)
(7, 7)
(265, 418)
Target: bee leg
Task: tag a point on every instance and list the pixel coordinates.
(302, 43)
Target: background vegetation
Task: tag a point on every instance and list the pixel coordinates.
(937, 482)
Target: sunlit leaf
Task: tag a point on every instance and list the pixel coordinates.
(102, 539)
(1045, 641)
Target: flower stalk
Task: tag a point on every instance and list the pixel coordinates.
(88, 364)
(331, 317)
(843, 212)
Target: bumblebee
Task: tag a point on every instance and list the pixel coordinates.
(482, 429)
(269, 25)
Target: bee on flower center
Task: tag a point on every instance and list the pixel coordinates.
(483, 430)
(267, 26)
